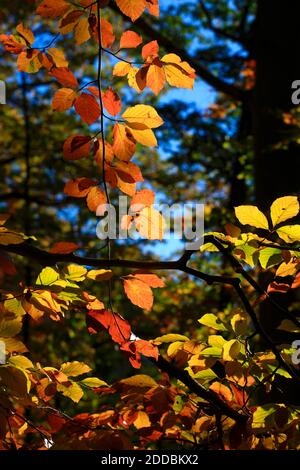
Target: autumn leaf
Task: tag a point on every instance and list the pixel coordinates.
(156, 76)
(58, 57)
(284, 208)
(63, 99)
(131, 8)
(121, 69)
(123, 145)
(75, 368)
(111, 102)
(251, 215)
(178, 73)
(82, 31)
(142, 117)
(150, 50)
(95, 197)
(29, 61)
(79, 187)
(64, 76)
(289, 233)
(77, 147)
(25, 33)
(135, 349)
(150, 224)
(64, 248)
(130, 39)
(138, 288)
(52, 8)
(88, 108)
(99, 274)
(143, 198)
(118, 328)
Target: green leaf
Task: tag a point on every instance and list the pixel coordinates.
(170, 338)
(251, 215)
(269, 257)
(212, 321)
(211, 352)
(94, 382)
(47, 277)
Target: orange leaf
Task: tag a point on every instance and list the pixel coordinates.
(111, 102)
(141, 199)
(88, 108)
(63, 99)
(79, 187)
(107, 34)
(58, 57)
(130, 39)
(152, 280)
(82, 31)
(222, 390)
(13, 44)
(134, 350)
(153, 7)
(64, 76)
(138, 292)
(95, 198)
(131, 8)
(156, 76)
(52, 8)
(124, 145)
(77, 147)
(64, 248)
(118, 328)
(150, 50)
(26, 33)
(29, 61)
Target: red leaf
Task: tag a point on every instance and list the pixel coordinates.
(64, 76)
(134, 350)
(64, 248)
(88, 108)
(111, 102)
(118, 328)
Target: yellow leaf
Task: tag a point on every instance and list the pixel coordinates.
(72, 369)
(284, 208)
(287, 269)
(144, 137)
(132, 79)
(121, 69)
(82, 32)
(94, 382)
(155, 78)
(142, 420)
(142, 117)
(289, 233)
(74, 391)
(74, 272)
(212, 321)
(58, 57)
(150, 224)
(99, 274)
(239, 323)
(47, 277)
(170, 338)
(231, 349)
(216, 341)
(251, 215)
(13, 345)
(179, 74)
(10, 327)
(139, 380)
(21, 362)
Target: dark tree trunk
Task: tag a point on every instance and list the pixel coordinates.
(277, 49)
